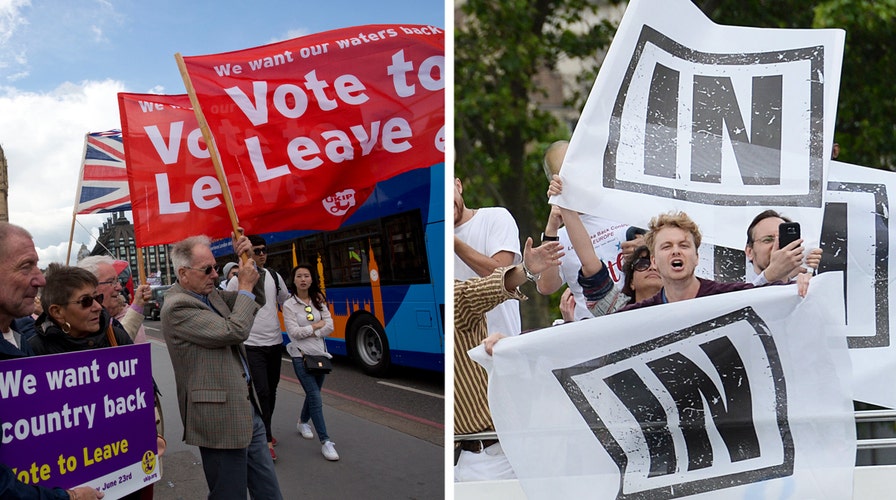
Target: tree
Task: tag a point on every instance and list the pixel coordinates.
(501, 47)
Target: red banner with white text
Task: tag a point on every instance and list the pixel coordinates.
(306, 127)
(174, 190)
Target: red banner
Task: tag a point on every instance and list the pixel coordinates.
(306, 127)
(174, 190)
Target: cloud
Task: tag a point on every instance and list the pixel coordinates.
(42, 135)
(11, 19)
(293, 33)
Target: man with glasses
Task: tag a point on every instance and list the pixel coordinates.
(263, 346)
(22, 279)
(205, 328)
(771, 263)
(103, 267)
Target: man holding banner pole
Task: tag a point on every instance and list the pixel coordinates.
(205, 329)
(21, 280)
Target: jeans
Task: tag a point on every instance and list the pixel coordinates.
(314, 406)
(230, 472)
(264, 366)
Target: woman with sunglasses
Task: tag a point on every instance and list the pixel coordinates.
(308, 321)
(642, 279)
(602, 296)
(73, 317)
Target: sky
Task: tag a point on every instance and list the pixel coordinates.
(63, 62)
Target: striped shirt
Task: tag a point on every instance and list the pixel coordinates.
(472, 299)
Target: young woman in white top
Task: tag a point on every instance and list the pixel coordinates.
(308, 321)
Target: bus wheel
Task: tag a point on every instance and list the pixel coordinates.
(369, 345)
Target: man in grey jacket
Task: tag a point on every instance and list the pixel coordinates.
(205, 329)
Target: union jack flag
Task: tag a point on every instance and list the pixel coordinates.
(103, 184)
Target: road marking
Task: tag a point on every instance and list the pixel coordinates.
(406, 388)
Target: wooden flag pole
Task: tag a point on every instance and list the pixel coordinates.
(141, 273)
(212, 149)
(71, 237)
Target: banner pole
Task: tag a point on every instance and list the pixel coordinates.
(71, 237)
(212, 148)
(141, 273)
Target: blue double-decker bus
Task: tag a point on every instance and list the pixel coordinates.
(383, 273)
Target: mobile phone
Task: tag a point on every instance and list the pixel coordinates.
(788, 232)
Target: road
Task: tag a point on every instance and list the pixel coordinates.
(389, 433)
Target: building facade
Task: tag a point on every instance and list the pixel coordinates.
(116, 239)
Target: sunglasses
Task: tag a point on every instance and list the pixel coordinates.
(206, 269)
(87, 300)
(641, 264)
(260, 250)
(309, 316)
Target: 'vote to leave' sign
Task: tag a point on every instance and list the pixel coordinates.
(313, 123)
(172, 181)
(81, 418)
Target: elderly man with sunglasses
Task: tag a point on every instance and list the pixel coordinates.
(22, 278)
(103, 267)
(264, 349)
(205, 328)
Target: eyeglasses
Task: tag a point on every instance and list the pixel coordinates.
(309, 316)
(87, 300)
(107, 282)
(260, 250)
(206, 269)
(641, 264)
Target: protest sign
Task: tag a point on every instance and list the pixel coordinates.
(172, 181)
(743, 394)
(856, 239)
(81, 418)
(306, 127)
(713, 120)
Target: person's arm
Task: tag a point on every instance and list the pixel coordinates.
(10, 487)
(813, 259)
(535, 260)
(581, 243)
(324, 327)
(295, 329)
(551, 280)
(785, 263)
(482, 265)
(132, 321)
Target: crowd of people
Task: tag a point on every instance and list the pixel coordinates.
(223, 339)
(658, 265)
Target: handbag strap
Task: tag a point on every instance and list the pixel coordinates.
(111, 335)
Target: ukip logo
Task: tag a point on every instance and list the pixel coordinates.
(340, 203)
(699, 409)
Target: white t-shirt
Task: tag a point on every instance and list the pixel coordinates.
(607, 237)
(266, 327)
(492, 230)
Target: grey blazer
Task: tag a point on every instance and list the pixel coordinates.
(214, 398)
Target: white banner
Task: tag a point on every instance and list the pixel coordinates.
(740, 395)
(857, 238)
(718, 121)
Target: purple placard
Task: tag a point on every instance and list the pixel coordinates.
(81, 418)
